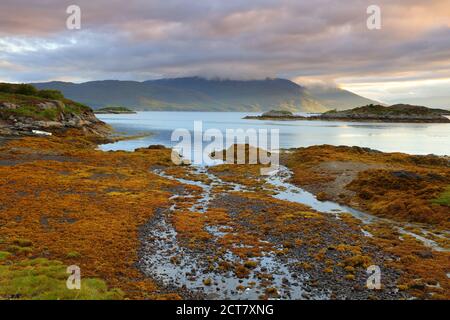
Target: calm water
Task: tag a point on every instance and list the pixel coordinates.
(403, 137)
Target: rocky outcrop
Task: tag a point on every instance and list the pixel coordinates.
(394, 113)
(370, 113)
(52, 116)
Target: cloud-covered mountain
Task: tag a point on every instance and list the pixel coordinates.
(199, 94)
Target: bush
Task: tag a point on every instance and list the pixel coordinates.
(7, 87)
(51, 94)
(26, 89)
(30, 90)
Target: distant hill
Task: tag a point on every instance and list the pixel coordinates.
(198, 94)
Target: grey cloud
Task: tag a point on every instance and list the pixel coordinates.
(234, 38)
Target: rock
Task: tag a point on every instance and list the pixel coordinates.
(305, 295)
(8, 105)
(425, 254)
(47, 105)
(402, 174)
(51, 116)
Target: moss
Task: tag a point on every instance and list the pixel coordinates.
(4, 255)
(328, 270)
(32, 112)
(273, 292)
(350, 277)
(349, 269)
(304, 265)
(358, 261)
(250, 264)
(20, 250)
(98, 244)
(402, 287)
(22, 242)
(39, 279)
(241, 271)
(444, 198)
(73, 255)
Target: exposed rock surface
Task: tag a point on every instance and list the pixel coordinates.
(54, 116)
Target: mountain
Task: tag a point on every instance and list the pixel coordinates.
(199, 94)
(336, 98)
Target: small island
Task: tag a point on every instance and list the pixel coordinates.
(114, 110)
(277, 115)
(371, 113)
(394, 113)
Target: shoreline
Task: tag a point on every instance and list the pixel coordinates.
(318, 118)
(205, 215)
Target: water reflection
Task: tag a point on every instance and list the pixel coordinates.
(413, 138)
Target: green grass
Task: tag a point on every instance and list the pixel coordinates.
(42, 279)
(22, 242)
(444, 198)
(115, 108)
(34, 112)
(28, 107)
(4, 255)
(73, 255)
(19, 249)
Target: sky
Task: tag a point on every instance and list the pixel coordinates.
(321, 42)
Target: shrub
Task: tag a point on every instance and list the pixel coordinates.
(50, 94)
(26, 89)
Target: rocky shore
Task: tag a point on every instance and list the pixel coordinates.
(17, 125)
(370, 113)
(141, 227)
(27, 115)
(394, 113)
(225, 231)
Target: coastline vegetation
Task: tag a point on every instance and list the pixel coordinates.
(27, 101)
(113, 110)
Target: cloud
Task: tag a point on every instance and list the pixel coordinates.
(324, 40)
